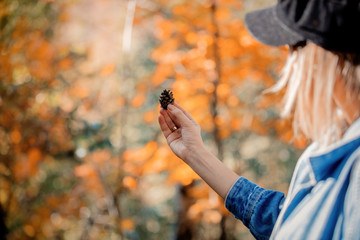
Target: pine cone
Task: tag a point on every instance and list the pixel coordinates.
(166, 98)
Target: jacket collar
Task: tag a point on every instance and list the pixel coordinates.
(330, 161)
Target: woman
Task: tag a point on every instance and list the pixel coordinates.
(322, 80)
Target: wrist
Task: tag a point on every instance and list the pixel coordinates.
(195, 153)
(211, 169)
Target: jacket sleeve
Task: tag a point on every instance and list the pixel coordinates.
(256, 207)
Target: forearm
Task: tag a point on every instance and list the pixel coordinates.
(187, 144)
(215, 173)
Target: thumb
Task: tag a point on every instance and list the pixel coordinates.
(178, 116)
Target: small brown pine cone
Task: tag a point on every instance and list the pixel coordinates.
(166, 98)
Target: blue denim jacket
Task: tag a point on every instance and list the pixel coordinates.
(323, 200)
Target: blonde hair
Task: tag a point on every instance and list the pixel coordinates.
(309, 76)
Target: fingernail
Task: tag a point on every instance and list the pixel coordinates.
(170, 107)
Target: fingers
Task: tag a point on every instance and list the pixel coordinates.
(171, 123)
(163, 126)
(178, 116)
(173, 118)
(184, 111)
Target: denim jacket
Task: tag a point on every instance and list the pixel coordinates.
(323, 200)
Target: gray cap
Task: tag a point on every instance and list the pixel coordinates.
(331, 24)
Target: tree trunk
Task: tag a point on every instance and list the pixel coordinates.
(214, 103)
(3, 228)
(186, 227)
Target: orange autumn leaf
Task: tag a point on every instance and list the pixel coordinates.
(138, 100)
(236, 124)
(46, 50)
(107, 70)
(164, 28)
(168, 46)
(195, 101)
(29, 230)
(63, 16)
(228, 1)
(67, 104)
(15, 136)
(155, 164)
(27, 165)
(3, 169)
(191, 38)
(223, 90)
(120, 101)
(141, 154)
(209, 87)
(200, 191)
(100, 156)
(197, 209)
(129, 182)
(224, 133)
(222, 14)
(161, 73)
(79, 91)
(34, 156)
(161, 160)
(131, 168)
(212, 216)
(20, 169)
(258, 126)
(150, 116)
(301, 143)
(287, 136)
(265, 102)
(84, 170)
(179, 9)
(183, 174)
(65, 63)
(127, 224)
(220, 120)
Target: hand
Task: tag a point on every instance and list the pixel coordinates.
(185, 141)
(181, 131)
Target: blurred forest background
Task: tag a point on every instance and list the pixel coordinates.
(81, 154)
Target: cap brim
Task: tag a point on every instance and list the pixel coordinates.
(265, 26)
